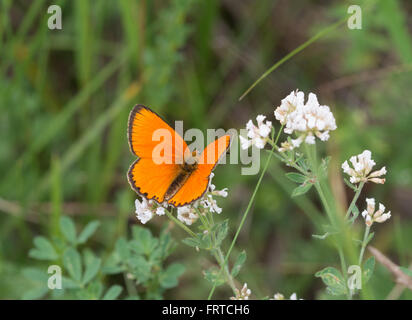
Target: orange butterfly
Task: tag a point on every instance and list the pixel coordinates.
(180, 181)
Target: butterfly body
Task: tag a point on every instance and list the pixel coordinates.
(184, 176)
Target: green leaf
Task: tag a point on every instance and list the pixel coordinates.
(73, 264)
(302, 189)
(88, 231)
(36, 275)
(213, 275)
(43, 250)
(143, 242)
(221, 232)
(355, 214)
(333, 279)
(296, 177)
(240, 260)
(68, 229)
(122, 249)
(95, 290)
(141, 268)
(68, 283)
(191, 242)
(350, 185)
(92, 268)
(370, 237)
(368, 268)
(169, 278)
(406, 271)
(321, 237)
(35, 293)
(113, 292)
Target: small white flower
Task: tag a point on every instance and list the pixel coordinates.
(371, 216)
(221, 193)
(256, 135)
(308, 120)
(160, 211)
(289, 104)
(143, 210)
(243, 294)
(209, 203)
(362, 165)
(279, 296)
(187, 214)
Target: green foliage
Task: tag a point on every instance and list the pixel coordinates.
(333, 279)
(141, 259)
(367, 270)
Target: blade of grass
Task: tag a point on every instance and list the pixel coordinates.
(77, 149)
(294, 52)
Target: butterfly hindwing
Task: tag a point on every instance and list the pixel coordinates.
(198, 182)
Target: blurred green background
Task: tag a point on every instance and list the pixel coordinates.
(65, 96)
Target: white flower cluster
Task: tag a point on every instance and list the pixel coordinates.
(145, 210)
(371, 216)
(279, 296)
(256, 135)
(187, 214)
(243, 294)
(362, 167)
(307, 120)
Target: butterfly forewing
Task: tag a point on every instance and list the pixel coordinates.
(153, 173)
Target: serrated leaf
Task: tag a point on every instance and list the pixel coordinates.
(169, 278)
(368, 268)
(68, 229)
(113, 292)
(92, 268)
(333, 279)
(240, 260)
(72, 263)
(88, 231)
(302, 189)
(43, 250)
(296, 177)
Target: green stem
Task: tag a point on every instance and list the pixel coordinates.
(365, 238)
(221, 260)
(180, 224)
(294, 52)
(355, 198)
(247, 209)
